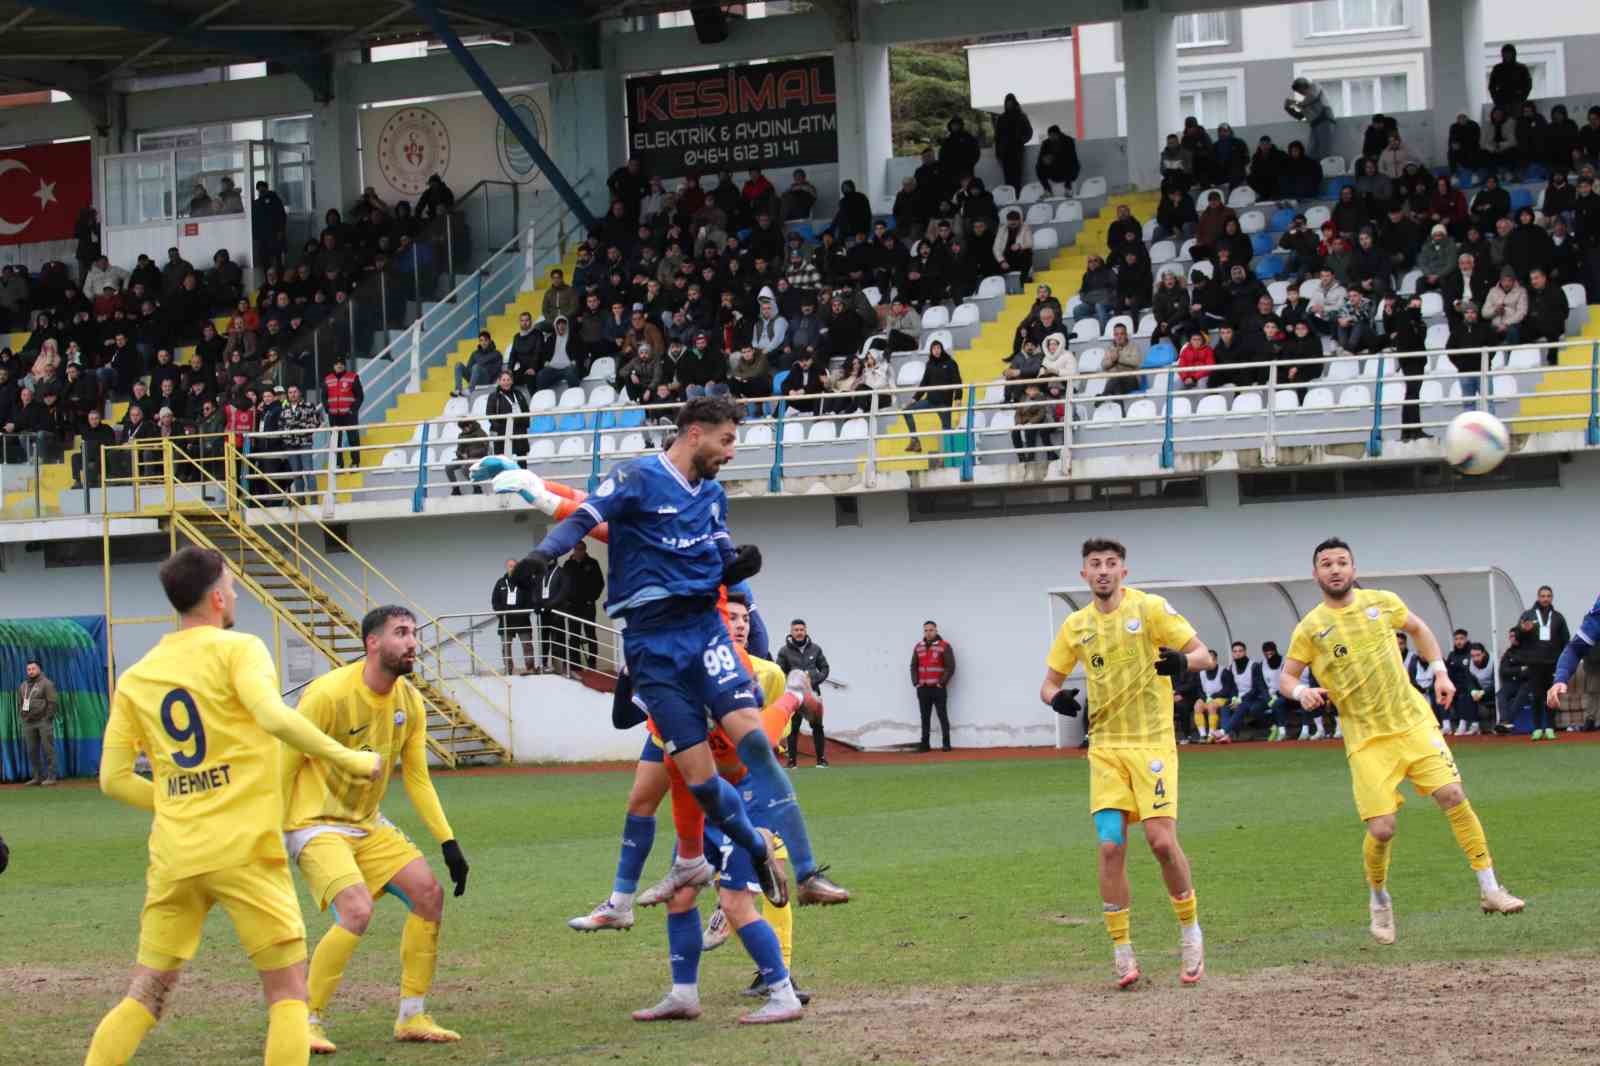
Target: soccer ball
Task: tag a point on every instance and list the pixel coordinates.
(1475, 442)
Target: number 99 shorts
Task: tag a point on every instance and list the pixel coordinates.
(683, 672)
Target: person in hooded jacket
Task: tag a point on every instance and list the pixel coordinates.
(1012, 132)
(854, 215)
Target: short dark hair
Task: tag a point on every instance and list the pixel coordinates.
(930, 622)
(797, 621)
(1265, 644)
(734, 597)
(1095, 545)
(1545, 588)
(1459, 633)
(1240, 644)
(378, 617)
(1329, 545)
(189, 574)
(33, 660)
(707, 411)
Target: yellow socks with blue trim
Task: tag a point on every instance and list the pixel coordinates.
(288, 1033)
(1375, 857)
(782, 921)
(1469, 835)
(419, 955)
(327, 966)
(119, 1034)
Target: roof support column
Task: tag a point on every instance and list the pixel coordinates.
(861, 79)
(1459, 84)
(1150, 66)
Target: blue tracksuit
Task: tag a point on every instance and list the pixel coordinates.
(1582, 642)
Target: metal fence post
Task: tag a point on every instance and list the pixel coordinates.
(333, 468)
(1592, 434)
(871, 472)
(970, 434)
(775, 479)
(594, 459)
(1168, 451)
(477, 301)
(1269, 448)
(416, 355)
(529, 278)
(1375, 441)
(421, 494)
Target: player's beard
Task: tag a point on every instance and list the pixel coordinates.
(706, 466)
(398, 665)
(1335, 588)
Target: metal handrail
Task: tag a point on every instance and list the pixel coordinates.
(607, 642)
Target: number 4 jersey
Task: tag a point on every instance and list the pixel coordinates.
(218, 801)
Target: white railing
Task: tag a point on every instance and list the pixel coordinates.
(558, 642)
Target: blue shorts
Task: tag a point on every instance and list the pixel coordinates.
(683, 671)
(652, 752)
(736, 871)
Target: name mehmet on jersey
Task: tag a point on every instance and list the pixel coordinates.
(189, 784)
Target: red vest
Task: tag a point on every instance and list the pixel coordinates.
(930, 662)
(339, 393)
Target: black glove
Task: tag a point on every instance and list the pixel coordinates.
(457, 864)
(1065, 702)
(625, 714)
(746, 565)
(1171, 663)
(532, 568)
(5, 855)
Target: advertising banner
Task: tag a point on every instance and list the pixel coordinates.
(462, 140)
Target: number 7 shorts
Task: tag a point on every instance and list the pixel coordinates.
(1141, 781)
(685, 672)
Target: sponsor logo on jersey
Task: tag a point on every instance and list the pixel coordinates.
(399, 717)
(1098, 662)
(1325, 632)
(1373, 612)
(667, 509)
(1340, 651)
(1133, 625)
(1156, 766)
(607, 487)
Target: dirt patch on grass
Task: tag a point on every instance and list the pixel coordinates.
(1527, 1012)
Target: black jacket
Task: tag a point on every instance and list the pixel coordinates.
(1543, 652)
(807, 656)
(582, 583)
(500, 599)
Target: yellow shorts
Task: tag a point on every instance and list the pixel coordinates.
(260, 901)
(1419, 755)
(1141, 781)
(332, 862)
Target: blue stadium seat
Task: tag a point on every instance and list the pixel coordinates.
(1441, 172)
(542, 424)
(1521, 198)
(1535, 172)
(1161, 354)
(1331, 187)
(1281, 221)
(630, 418)
(1270, 266)
(573, 423)
(1468, 179)
(1262, 243)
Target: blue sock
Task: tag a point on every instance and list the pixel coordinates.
(768, 778)
(762, 944)
(638, 836)
(683, 946)
(725, 810)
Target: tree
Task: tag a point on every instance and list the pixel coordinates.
(927, 88)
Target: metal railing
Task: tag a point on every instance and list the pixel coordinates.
(547, 641)
(162, 475)
(439, 327)
(1364, 406)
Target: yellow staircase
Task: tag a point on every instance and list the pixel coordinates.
(984, 360)
(1575, 381)
(282, 564)
(428, 402)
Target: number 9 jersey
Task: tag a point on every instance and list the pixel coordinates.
(186, 704)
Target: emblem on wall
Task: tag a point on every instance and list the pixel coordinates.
(515, 161)
(414, 144)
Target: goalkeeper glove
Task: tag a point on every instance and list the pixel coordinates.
(1171, 663)
(746, 564)
(533, 567)
(1065, 702)
(457, 864)
(491, 466)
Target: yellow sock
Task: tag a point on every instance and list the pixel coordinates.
(1199, 721)
(782, 921)
(1215, 714)
(119, 1033)
(1375, 857)
(1187, 909)
(288, 1036)
(1117, 924)
(419, 954)
(1469, 834)
(327, 966)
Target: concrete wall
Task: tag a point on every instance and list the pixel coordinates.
(865, 590)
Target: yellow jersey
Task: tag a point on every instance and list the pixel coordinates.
(1353, 653)
(203, 704)
(1130, 705)
(394, 725)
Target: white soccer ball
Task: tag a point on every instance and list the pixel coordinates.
(1476, 442)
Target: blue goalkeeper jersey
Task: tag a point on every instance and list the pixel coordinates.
(1583, 641)
(669, 536)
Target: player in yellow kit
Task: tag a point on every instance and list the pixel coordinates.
(1132, 645)
(1390, 734)
(348, 852)
(204, 706)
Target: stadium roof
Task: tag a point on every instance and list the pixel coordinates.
(81, 46)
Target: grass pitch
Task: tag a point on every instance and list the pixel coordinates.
(976, 911)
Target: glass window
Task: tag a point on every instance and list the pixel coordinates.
(1357, 16)
(138, 189)
(1202, 28)
(210, 180)
(1209, 106)
(1369, 94)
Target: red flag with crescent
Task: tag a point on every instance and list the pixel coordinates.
(42, 190)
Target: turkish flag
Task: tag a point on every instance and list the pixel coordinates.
(42, 190)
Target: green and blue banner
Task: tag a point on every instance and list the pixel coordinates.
(72, 653)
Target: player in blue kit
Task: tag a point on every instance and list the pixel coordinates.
(670, 554)
(1579, 648)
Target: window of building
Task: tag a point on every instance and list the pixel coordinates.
(1211, 95)
(1357, 16)
(1202, 29)
(1210, 106)
(1368, 94)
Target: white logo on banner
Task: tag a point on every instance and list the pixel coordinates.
(414, 144)
(518, 165)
